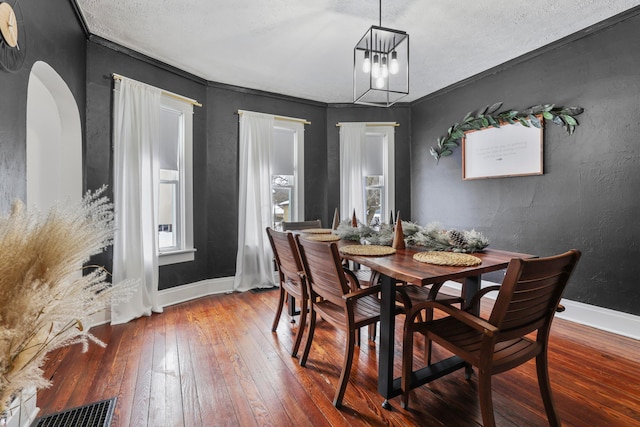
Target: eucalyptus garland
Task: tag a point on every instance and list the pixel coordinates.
(432, 237)
(487, 117)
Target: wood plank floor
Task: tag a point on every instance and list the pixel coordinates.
(215, 362)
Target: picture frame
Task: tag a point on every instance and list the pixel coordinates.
(508, 151)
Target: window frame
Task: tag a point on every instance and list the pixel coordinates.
(185, 250)
(387, 131)
(297, 203)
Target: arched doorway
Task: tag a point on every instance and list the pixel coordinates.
(54, 140)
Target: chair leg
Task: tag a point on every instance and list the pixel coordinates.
(276, 320)
(407, 365)
(486, 403)
(307, 347)
(545, 389)
(302, 324)
(372, 331)
(346, 369)
(428, 316)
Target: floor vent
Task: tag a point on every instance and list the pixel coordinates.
(96, 414)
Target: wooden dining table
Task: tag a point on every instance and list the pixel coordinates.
(401, 267)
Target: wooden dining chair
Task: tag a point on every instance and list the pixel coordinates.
(331, 296)
(527, 301)
(301, 225)
(292, 281)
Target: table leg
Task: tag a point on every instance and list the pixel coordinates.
(469, 289)
(387, 336)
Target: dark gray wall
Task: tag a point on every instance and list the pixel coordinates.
(223, 104)
(588, 197)
(102, 62)
(215, 151)
(61, 43)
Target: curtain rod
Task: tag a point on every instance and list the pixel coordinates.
(283, 118)
(165, 92)
(373, 124)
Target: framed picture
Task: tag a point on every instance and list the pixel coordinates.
(510, 150)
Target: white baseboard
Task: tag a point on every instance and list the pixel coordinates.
(605, 319)
(195, 290)
(178, 294)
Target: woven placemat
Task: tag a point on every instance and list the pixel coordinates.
(447, 258)
(322, 237)
(316, 231)
(367, 250)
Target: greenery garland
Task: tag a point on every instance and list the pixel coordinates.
(562, 116)
(432, 237)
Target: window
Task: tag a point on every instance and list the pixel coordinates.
(287, 179)
(175, 186)
(367, 171)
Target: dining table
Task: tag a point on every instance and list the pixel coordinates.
(402, 267)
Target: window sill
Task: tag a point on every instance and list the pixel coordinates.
(175, 257)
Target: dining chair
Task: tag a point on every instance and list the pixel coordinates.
(292, 281)
(331, 296)
(408, 295)
(526, 302)
(301, 225)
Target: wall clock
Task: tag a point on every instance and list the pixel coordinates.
(13, 46)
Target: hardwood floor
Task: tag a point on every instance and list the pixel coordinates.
(215, 362)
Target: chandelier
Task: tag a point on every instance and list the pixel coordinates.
(381, 66)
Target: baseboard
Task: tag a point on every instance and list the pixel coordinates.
(179, 294)
(616, 322)
(200, 289)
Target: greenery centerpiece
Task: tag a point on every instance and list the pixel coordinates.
(46, 300)
(433, 236)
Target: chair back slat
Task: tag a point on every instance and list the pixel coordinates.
(322, 266)
(285, 252)
(301, 225)
(530, 293)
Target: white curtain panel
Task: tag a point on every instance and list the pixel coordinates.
(254, 266)
(352, 139)
(135, 247)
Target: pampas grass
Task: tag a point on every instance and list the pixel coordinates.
(47, 292)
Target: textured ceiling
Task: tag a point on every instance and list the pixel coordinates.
(305, 48)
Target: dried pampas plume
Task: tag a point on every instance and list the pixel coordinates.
(47, 292)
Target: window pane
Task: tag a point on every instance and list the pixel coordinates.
(281, 186)
(375, 181)
(167, 218)
(373, 192)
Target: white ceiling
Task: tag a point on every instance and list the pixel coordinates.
(305, 48)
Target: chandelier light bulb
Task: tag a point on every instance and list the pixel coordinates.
(394, 67)
(375, 68)
(366, 64)
(380, 82)
(384, 69)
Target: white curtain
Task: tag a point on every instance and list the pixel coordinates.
(352, 151)
(135, 253)
(254, 266)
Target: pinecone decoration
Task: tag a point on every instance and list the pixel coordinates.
(456, 239)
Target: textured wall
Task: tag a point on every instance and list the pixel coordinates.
(59, 42)
(588, 195)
